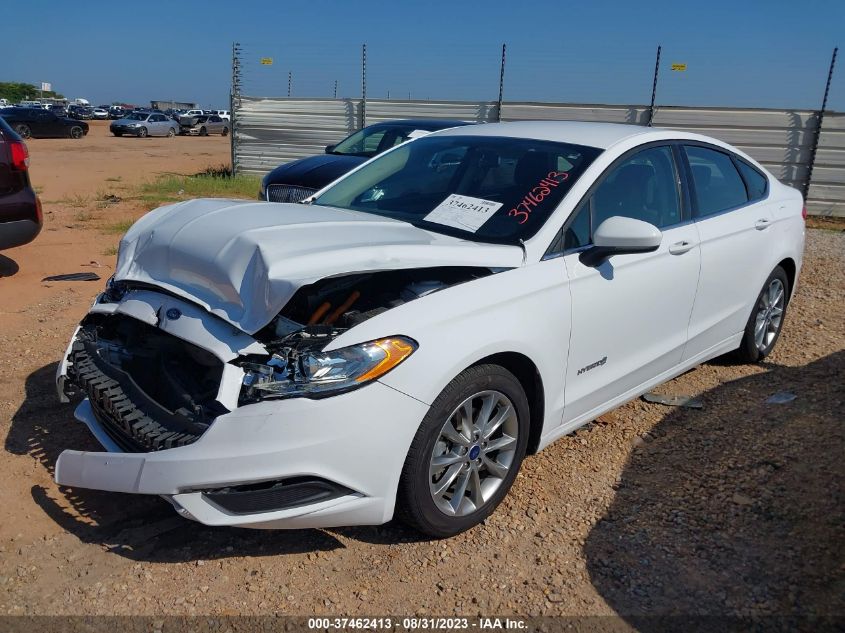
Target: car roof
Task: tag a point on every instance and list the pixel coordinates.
(600, 135)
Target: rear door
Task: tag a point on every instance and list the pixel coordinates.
(630, 313)
(733, 214)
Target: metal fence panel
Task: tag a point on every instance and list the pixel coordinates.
(269, 132)
(573, 112)
(827, 190)
(477, 111)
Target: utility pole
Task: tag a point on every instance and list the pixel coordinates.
(819, 126)
(290, 81)
(335, 88)
(501, 84)
(654, 88)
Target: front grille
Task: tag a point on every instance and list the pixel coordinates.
(137, 417)
(288, 193)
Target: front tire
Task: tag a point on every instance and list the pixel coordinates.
(142, 133)
(466, 453)
(766, 321)
(23, 130)
(76, 132)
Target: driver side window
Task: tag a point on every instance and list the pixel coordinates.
(644, 186)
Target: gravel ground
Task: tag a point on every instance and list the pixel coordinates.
(734, 509)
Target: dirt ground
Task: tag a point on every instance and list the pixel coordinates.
(735, 509)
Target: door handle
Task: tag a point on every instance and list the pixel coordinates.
(762, 224)
(678, 248)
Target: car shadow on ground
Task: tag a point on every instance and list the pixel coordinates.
(142, 527)
(736, 509)
(8, 266)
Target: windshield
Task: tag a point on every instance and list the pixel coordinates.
(137, 116)
(374, 140)
(482, 188)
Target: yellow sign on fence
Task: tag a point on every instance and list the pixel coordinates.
(266, 61)
(680, 67)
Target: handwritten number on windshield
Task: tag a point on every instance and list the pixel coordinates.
(538, 193)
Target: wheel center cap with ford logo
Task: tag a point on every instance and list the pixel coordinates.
(474, 452)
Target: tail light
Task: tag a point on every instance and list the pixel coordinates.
(804, 212)
(20, 156)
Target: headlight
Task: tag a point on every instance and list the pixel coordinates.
(317, 373)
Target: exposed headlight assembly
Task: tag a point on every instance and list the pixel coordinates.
(312, 373)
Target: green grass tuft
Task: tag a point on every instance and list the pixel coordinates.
(214, 182)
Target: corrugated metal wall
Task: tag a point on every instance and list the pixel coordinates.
(268, 132)
(827, 190)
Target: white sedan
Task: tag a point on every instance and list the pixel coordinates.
(398, 344)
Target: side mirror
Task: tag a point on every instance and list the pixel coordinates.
(618, 235)
(330, 148)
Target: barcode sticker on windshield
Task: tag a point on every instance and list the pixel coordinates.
(463, 212)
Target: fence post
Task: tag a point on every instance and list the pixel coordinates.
(290, 81)
(654, 88)
(501, 85)
(363, 85)
(819, 126)
(234, 102)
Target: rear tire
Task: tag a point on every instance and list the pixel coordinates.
(466, 453)
(142, 133)
(766, 321)
(225, 132)
(23, 130)
(171, 132)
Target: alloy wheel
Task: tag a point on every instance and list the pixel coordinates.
(473, 453)
(769, 314)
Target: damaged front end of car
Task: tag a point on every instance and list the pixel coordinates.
(157, 370)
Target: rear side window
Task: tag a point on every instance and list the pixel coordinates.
(756, 183)
(718, 185)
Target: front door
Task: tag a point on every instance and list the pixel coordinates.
(630, 313)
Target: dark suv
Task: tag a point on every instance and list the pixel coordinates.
(40, 123)
(20, 208)
(295, 181)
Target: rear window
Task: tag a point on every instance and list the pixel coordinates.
(756, 183)
(718, 185)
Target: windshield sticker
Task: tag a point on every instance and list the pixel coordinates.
(417, 133)
(537, 195)
(463, 212)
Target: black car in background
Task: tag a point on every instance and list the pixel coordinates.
(81, 113)
(295, 181)
(20, 208)
(40, 123)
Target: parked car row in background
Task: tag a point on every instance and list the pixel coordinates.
(142, 124)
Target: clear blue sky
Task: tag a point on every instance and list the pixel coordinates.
(771, 53)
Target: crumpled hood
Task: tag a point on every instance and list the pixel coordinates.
(243, 261)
